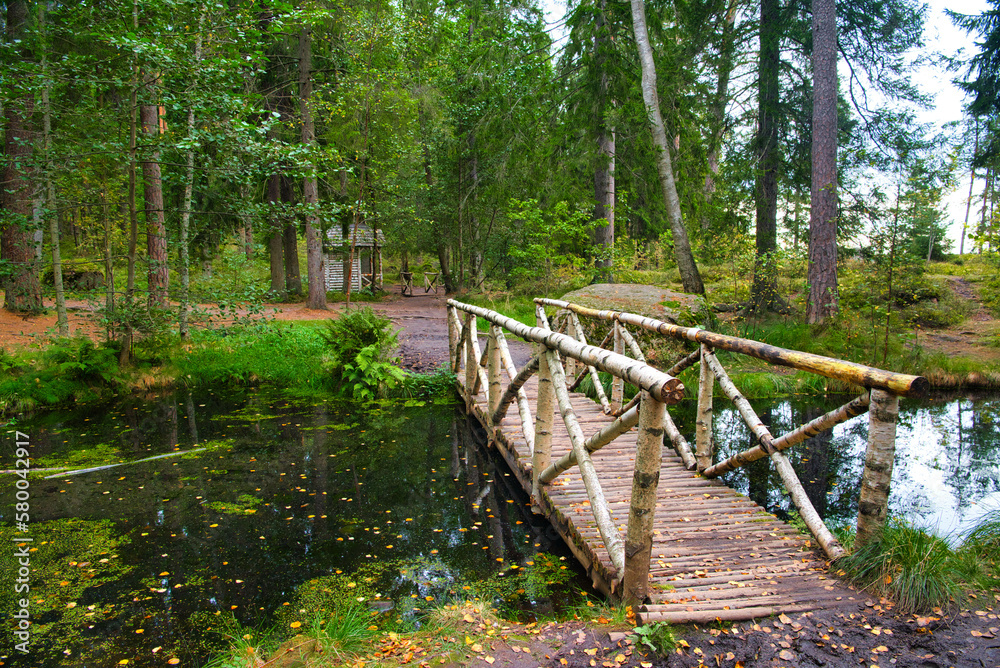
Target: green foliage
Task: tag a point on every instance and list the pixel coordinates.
(67, 370)
(549, 245)
(540, 578)
(916, 570)
(243, 504)
(359, 346)
(657, 636)
(283, 354)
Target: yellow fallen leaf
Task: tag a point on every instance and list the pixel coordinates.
(476, 647)
(784, 619)
(469, 619)
(174, 661)
(295, 625)
(592, 651)
(489, 659)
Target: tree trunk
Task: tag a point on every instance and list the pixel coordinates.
(290, 239)
(604, 170)
(823, 297)
(764, 291)
(275, 251)
(156, 235)
(188, 192)
(873, 502)
(310, 183)
(62, 321)
(22, 291)
(968, 203)
(133, 216)
(690, 277)
(718, 112)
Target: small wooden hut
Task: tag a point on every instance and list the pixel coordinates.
(367, 269)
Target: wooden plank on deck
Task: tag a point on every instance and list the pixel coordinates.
(716, 554)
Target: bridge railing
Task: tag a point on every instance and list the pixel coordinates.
(484, 369)
(879, 398)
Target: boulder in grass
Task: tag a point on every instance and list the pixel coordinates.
(648, 300)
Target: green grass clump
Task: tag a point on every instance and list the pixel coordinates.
(920, 571)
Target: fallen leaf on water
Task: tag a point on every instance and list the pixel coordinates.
(295, 625)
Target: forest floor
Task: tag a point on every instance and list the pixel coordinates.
(872, 636)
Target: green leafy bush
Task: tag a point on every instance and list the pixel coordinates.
(359, 347)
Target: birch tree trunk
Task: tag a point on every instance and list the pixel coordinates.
(310, 184)
(873, 502)
(189, 190)
(690, 277)
(823, 296)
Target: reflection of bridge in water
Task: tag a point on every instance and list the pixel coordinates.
(691, 549)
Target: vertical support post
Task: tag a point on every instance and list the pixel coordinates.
(569, 364)
(452, 334)
(645, 479)
(883, 412)
(544, 419)
(493, 369)
(618, 383)
(471, 363)
(704, 441)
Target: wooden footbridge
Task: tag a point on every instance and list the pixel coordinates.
(652, 526)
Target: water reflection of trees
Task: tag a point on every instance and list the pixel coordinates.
(946, 454)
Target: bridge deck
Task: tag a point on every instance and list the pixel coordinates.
(716, 554)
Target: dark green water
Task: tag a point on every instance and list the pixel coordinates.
(142, 556)
(147, 560)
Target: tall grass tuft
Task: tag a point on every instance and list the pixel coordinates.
(916, 570)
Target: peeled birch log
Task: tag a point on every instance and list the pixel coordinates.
(642, 505)
(681, 445)
(598, 503)
(851, 409)
(493, 366)
(665, 388)
(873, 500)
(544, 420)
(632, 344)
(685, 362)
(807, 512)
(516, 389)
(703, 439)
(594, 443)
(594, 377)
(617, 384)
(899, 384)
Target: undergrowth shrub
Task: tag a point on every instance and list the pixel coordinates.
(72, 369)
(359, 347)
(915, 569)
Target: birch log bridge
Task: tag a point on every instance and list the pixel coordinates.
(652, 525)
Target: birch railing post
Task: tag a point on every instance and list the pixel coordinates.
(541, 458)
(883, 412)
(642, 509)
(703, 439)
(471, 361)
(495, 389)
(452, 333)
(618, 383)
(569, 363)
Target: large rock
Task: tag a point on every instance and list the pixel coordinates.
(647, 300)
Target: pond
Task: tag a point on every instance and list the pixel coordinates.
(945, 477)
(257, 495)
(146, 561)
